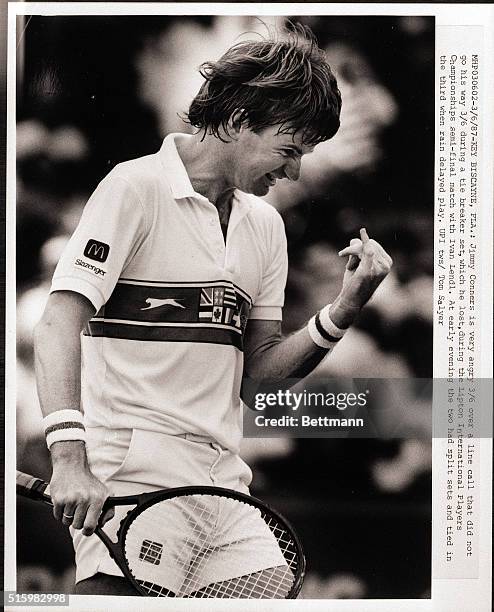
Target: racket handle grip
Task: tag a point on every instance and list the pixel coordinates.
(30, 486)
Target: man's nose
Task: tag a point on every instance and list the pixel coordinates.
(292, 169)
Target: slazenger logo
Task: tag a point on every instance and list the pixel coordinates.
(84, 264)
(156, 303)
(97, 251)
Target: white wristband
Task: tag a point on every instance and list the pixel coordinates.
(328, 325)
(323, 331)
(317, 338)
(64, 425)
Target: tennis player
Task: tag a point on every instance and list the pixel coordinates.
(171, 289)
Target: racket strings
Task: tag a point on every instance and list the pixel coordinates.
(187, 528)
(178, 546)
(272, 583)
(197, 546)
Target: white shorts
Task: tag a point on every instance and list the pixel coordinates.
(138, 461)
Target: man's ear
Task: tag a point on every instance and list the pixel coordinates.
(237, 121)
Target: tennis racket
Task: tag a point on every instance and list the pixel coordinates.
(198, 542)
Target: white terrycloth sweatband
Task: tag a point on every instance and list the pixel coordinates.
(328, 325)
(316, 336)
(64, 425)
(323, 331)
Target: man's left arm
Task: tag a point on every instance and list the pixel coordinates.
(270, 356)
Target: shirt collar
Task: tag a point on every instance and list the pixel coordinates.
(179, 180)
(175, 170)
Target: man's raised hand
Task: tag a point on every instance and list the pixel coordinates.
(367, 266)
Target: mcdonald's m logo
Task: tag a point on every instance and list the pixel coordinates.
(97, 251)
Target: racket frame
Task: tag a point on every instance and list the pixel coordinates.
(143, 501)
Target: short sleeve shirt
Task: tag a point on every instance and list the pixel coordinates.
(164, 350)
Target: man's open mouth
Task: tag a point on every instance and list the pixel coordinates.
(271, 179)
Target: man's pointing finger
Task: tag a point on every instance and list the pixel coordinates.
(364, 235)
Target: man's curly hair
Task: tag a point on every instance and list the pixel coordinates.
(285, 82)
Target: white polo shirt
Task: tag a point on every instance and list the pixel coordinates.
(164, 350)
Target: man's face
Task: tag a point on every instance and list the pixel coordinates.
(261, 158)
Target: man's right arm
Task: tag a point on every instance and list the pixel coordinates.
(57, 342)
